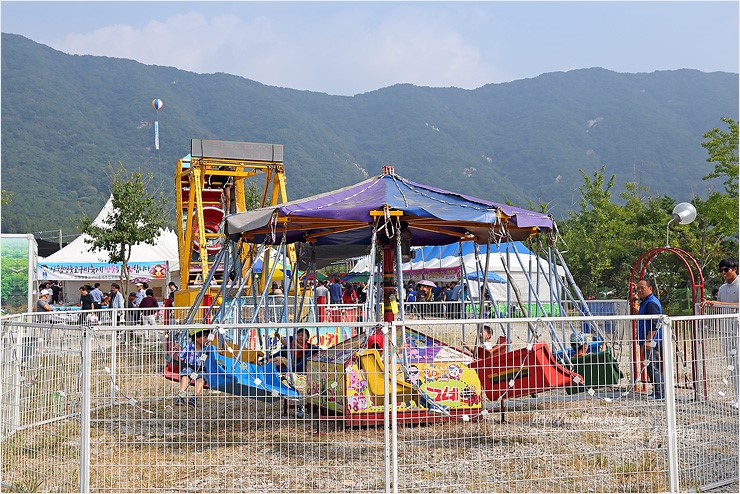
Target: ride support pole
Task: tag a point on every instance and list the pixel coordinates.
(389, 255)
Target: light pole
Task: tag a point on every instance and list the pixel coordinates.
(683, 214)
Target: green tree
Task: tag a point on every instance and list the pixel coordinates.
(604, 240)
(137, 217)
(723, 152)
(251, 196)
(6, 197)
(714, 233)
(593, 235)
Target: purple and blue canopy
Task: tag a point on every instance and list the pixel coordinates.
(342, 219)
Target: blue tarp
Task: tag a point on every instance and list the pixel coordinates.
(492, 277)
(431, 252)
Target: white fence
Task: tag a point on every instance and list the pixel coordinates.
(87, 408)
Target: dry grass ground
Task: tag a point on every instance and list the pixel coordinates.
(235, 444)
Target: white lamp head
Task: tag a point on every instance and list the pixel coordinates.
(684, 213)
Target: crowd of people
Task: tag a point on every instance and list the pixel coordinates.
(93, 298)
(334, 291)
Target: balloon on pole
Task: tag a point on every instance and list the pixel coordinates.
(157, 104)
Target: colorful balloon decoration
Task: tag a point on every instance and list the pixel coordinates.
(157, 104)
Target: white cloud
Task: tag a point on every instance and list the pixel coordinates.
(186, 41)
(344, 53)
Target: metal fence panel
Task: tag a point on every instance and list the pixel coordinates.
(339, 437)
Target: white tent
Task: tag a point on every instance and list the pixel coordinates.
(442, 263)
(76, 262)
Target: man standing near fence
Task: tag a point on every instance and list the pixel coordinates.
(322, 298)
(149, 316)
(728, 299)
(42, 304)
(650, 336)
(116, 297)
(97, 296)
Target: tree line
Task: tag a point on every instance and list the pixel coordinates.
(603, 239)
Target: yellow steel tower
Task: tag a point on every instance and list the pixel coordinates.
(210, 184)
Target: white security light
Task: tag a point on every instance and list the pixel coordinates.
(683, 214)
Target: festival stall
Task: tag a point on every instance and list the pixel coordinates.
(77, 264)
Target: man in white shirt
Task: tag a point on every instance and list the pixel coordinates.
(140, 294)
(728, 301)
(322, 298)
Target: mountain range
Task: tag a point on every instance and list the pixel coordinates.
(67, 118)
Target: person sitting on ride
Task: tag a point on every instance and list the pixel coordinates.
(579, 344)
(192, 365)
(487, 347)
(299, 348)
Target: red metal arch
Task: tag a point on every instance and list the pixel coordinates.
(697, 278)
(697, 297)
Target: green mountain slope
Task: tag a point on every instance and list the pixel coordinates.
(65, 118)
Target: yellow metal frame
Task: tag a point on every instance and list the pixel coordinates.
(190, 215)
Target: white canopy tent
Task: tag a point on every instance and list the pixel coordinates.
(75, 263)
(442, 264)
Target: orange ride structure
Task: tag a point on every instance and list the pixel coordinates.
(211, 183)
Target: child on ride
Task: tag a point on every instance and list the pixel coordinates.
(192, 360)
(299, 348)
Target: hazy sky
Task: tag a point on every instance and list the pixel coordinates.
(345, 48)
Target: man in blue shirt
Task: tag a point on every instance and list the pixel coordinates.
(97, 295)
(650, 336)
(455, 299)
(335, 292)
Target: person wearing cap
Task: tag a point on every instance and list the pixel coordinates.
(42, 304)
(192, 366)
(728, 300)
(579, 344)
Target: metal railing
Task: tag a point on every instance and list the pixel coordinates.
(95, 400)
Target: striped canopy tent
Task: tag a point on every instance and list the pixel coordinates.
(318, 275)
